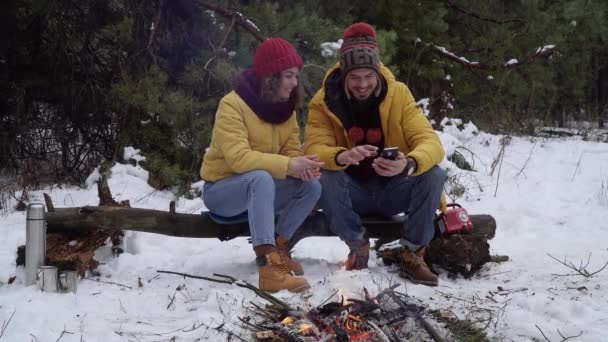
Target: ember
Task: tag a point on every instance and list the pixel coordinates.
(388, 317)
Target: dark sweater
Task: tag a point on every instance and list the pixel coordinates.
(353, 114)
(366, 116)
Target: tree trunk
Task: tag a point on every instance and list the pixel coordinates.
(202, 226)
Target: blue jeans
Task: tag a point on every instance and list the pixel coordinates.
(291, 200)
(344, 199)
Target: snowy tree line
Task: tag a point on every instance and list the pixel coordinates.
(82, 79)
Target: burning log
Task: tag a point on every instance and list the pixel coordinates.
(267, 335)
(379, 332)
(288, 333)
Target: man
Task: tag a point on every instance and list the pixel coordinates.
(360, 110)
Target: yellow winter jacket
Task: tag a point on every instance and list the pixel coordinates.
(242, 142)
(403, 125)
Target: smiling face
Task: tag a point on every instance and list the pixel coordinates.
(288, 81)
(361, 83)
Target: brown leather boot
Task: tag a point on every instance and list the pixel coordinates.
(358, 255)
(282, 245)
(415, 269)
(274, 275)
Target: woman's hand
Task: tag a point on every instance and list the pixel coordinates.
(306, 167)
(311, 174)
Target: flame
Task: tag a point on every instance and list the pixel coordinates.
(304, 327)
(362, 337)
(354, 318)
(353, 323)
(287, 321)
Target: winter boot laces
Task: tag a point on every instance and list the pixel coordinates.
(275, 276)
(284, 251)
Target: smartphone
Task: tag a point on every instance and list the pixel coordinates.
(390, 153)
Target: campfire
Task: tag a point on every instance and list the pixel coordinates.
(387, 317)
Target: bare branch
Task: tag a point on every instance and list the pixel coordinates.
(569, 337)
(108, 282)
(228, 30)
(64, 332)
(224, 279)
(194, 327)
(527, 160)
(483, 18)
(581, 269)
(546, 339)
(154, 25)
(501, 156)
(242, 21)
(6, 323)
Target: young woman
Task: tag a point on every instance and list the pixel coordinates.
(255, 163)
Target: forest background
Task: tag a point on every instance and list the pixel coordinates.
(82, 79)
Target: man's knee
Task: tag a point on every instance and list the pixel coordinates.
(333, 178)
(435, 176)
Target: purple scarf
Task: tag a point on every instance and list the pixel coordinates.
(248, 88)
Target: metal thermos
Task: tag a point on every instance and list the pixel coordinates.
(35, 241)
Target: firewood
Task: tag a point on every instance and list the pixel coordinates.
(264, 335)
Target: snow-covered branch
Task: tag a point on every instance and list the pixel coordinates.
(545, 51)
(238, 17)
(510, 64)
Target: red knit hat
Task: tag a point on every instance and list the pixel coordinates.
(275, 55)
(359, 48)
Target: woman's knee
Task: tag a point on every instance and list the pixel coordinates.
(261, 180)
(312, 188)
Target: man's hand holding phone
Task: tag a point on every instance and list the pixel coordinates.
(390, 153)
(392, 163)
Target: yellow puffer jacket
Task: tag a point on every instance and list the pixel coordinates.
(403, 124)
(242, 142)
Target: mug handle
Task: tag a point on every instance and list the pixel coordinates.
(63, 280)
(40, 278)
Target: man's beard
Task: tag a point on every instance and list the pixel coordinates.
(365, 103)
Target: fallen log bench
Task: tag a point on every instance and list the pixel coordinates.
(91, 226)
(91, 218)
(458, 253)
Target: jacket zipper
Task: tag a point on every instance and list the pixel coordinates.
(273, 145)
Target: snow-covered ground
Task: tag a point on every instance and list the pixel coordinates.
(551, 200)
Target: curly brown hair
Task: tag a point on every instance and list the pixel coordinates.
(270, 86)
